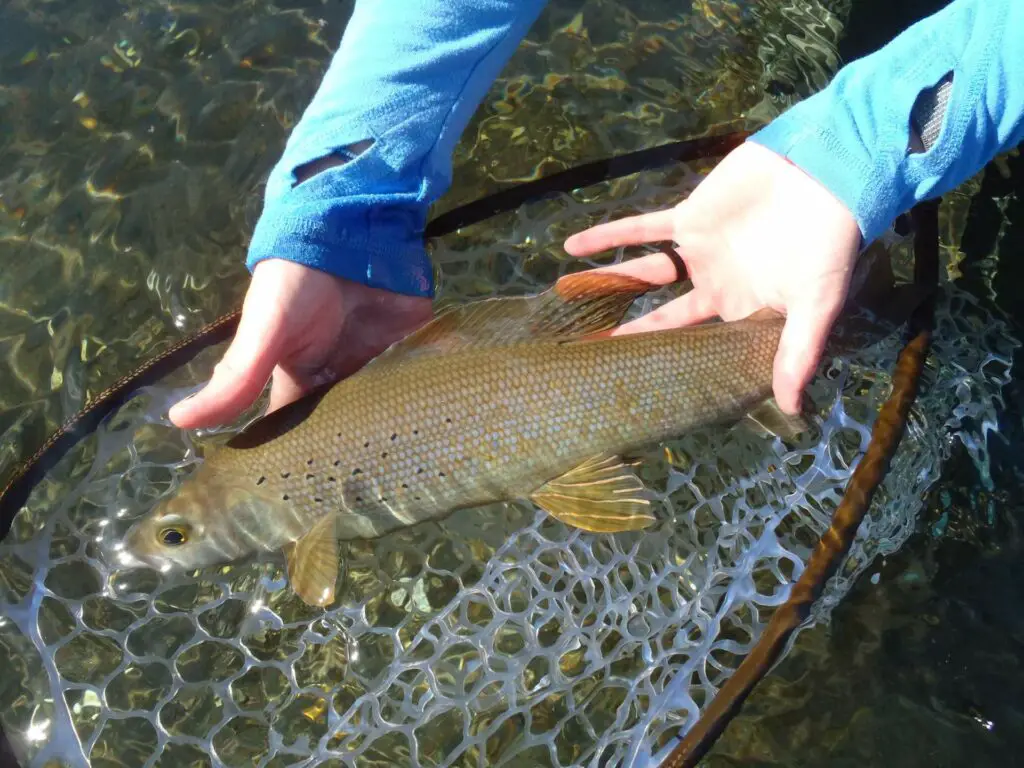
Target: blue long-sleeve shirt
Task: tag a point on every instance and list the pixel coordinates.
(406, 88)
(407, 77)
(854, 136)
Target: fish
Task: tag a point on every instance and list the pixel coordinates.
(496, 400)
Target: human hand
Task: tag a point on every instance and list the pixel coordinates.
(305, 327)
(757, 232)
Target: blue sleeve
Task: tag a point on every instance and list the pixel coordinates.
(405, 82)
(854, 136)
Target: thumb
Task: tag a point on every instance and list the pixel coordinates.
(239, 377)
(800, 348)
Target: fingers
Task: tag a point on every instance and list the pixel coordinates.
(689, 309)
(239, 377)
(800, 348)
(633, 230)
(285, 389)
(289, 386)
(656, 268)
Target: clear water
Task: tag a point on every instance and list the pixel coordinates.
(133, 142)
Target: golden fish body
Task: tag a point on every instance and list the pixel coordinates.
(451, 418)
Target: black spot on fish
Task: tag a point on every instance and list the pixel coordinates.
(415, 431)
(384, 455)
(447, 421)
(310, 475)
(394, 436)
(286, 475)
(278, 422)
(262, 480)
(332, 479)
(337, 463)
(366, 444)
(405, 485)
(419, 471)
(318, 500)
(440, 474)
(357, 471)
(359, 498)
(309, 463)
(285, 497)
(383, 498)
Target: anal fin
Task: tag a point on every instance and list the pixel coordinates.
(313, 563)
(601, 495)
(769, 420)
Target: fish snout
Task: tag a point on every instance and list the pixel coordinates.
(127, 554)
(124, 559)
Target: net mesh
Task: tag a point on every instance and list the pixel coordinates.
(497, 636)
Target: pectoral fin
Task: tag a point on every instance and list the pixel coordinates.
(313, 563)
(769, 420)
(601, 495)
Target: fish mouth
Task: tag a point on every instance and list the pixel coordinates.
(128, 558)
(125, 560)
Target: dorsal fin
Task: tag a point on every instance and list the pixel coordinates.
(577, 305)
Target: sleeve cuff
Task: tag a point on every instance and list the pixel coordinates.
(373, 239)
(819, 154)
(853, 137)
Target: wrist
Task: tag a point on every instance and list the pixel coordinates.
(961, 66)
(368, 239)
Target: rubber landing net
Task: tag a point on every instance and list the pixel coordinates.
(497, 636)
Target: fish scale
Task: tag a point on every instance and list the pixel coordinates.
(499, 400)
(473, 428)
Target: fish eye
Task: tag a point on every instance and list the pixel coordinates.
(174, 536)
